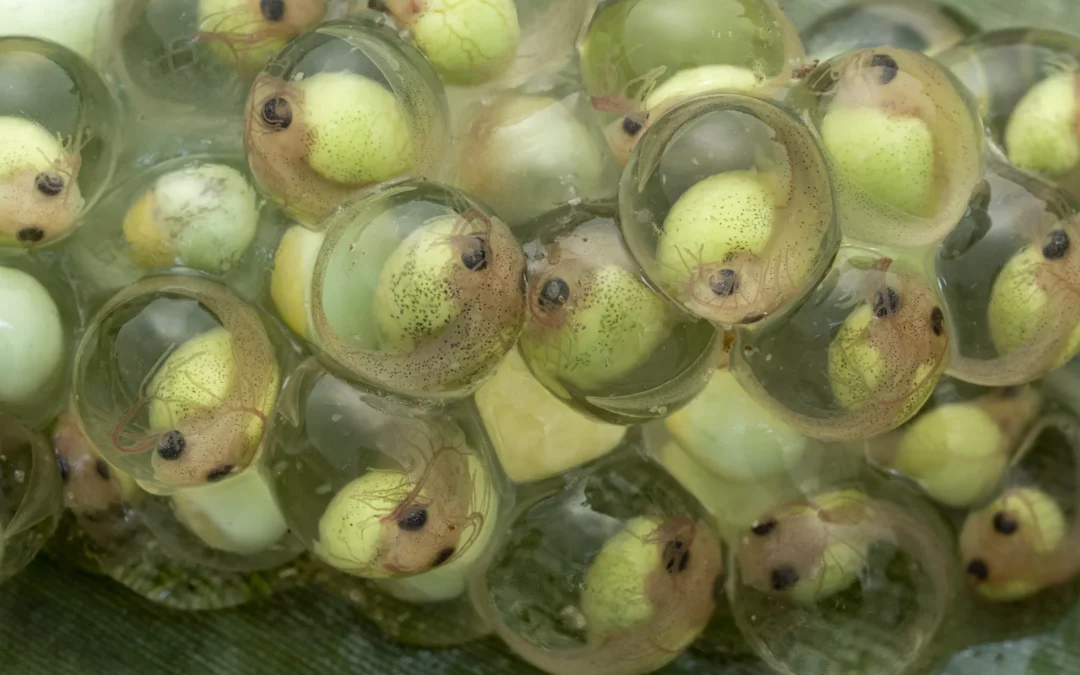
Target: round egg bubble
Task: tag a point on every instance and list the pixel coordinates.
(417, 290)
(611, 569)
(857, 359)
(30, 500)
(1008, 274)
(636, 61)
(32, 331)
(860, 575)
(728, 207)
(382, 489)
(176, 380)
(1024, 82)
(59, 127)
(345, 106)
(904, 141)
(596, 335)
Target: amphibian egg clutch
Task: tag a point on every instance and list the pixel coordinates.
(612, 329)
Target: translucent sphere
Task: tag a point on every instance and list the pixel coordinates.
(727, 206)
(596, 335)
(30, 501)
(859, 358)
(1007, 273)
(611, 569)
(1024, 83)
(859, 577)
(416, 290)
(58, 140)
(919, 25)
(904, 141)
(346, 105)
(175, 382)
(382, 489)
(638, 57)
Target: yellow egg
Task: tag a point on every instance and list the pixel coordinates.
(290, 279)
(1042, 133)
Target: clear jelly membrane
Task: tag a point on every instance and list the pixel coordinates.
(59, 127)
(30, 502)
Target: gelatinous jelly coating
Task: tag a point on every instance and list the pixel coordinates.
(904, 141)
(345, 106)
(870, 342)
(1012, 306)
(727, 206)
(583, 582)
(417, 290)
(30, 501)
(175, 382)
(250, 32)
(918, 25)
(32, 334)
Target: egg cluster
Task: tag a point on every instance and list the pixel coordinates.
(614, 329)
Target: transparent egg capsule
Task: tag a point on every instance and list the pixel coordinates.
(636, 61)
(1007, 274)
(347, 105)
(960, 445)
(925, 26)
(59, 126)
(855, 578)
(859, 358)
(490, 42)
(727, 206)
(524, 154)
(904, 141)
(610, 570)
(416, 290)
(1027, 539)
(30, 502)
(382, 489)
(596, 335)
(1024, 82)
(175, 382)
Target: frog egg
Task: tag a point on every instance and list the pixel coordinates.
(611, 570)
(536, 435)
(30, 501)
(58, 140)
(1005, 274)
(175, 382)
(903, 138)
(345, 106)
(596, 335)
(866, 350)
(382, 489)
(88, 29)
(917, 25)
(290, 278)
(525, 154)
(417, 290)
(860, 576)
(1023, 83)
(33, 334)
(727, 206)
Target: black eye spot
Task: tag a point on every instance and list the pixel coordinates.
(555, 293)
(1004, 524)
(475, 259)
(1056, 246)
(31, 234)
(443, 556)
(49, 184)
(272, 10)
(724, 283)
(219, 473)
(784, 578)
(763, 528)
(937, 321)
(888, 65)
(171, 445)
(102, 468)
(631, 126)
(277, 113)
(886, 303)
(413, 521)
(676, 556)
(979, 570)
(65, 468)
